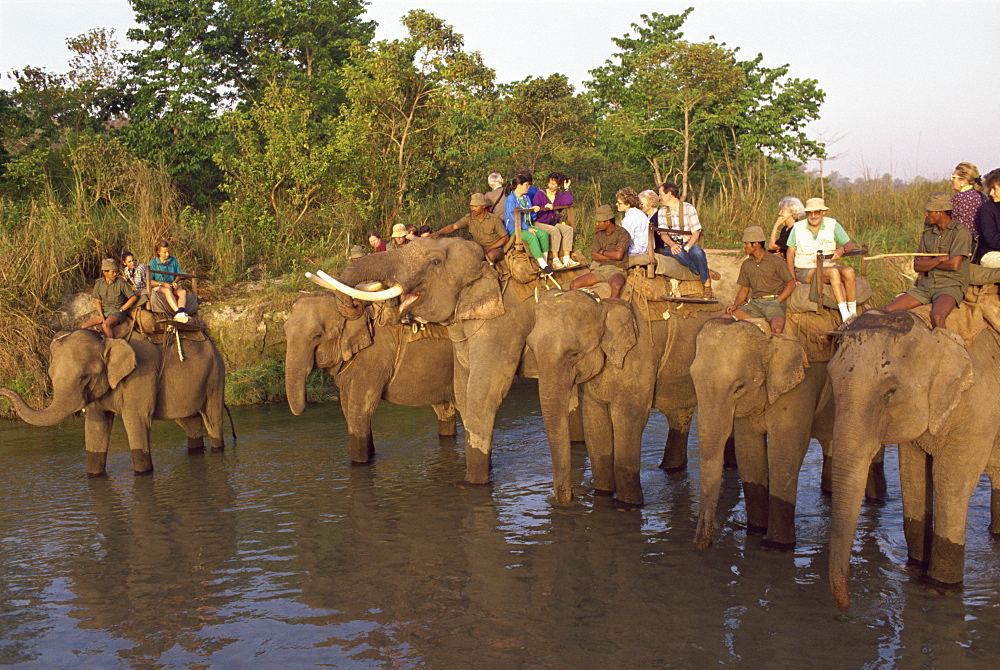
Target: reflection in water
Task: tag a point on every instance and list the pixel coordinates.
(280, 550)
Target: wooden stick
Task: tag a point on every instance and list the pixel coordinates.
(818, 282)
(903, 253)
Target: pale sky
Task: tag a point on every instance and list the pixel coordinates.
(911, 86)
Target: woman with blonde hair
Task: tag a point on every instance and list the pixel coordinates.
(968, 196)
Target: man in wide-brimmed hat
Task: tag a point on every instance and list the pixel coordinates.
(765, 279)
(113, 297)
(398, 240)
(944, 277)
(819, 233)
(487, 229)
(609, 250)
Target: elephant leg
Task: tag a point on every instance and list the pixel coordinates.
(192, 428)
(994, 475)
(213, 412)
(628, 421)
(97, 437)
(675, 454)
(914, 477)
(137, 427)
(786, 449)
(751, 452)
(953, 481)
(729, 454)
(600, 444)
(445, 413)
(576, 433)
(359, 408)
(875, 488)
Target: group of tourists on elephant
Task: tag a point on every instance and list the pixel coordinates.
(128, 285)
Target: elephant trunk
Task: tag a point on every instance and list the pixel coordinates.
(554, 395)
(855, 443)
(373, 267)
(715, 425)
(299, 362)
(64, 403)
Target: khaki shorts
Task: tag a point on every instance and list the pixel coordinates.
(800, 274)
(924, 296)
(606, 272)
(764, 308)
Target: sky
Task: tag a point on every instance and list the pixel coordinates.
(912, 86)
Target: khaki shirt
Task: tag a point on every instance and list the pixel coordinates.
(769, 277)
(486, 232)
(605, 242)
(954, 240)
(112, 295)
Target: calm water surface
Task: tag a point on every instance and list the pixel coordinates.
(278, 552)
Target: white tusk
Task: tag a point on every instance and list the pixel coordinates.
(328, 282)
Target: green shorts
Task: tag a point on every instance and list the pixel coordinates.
(117, 313)
(925, 296)
(606, 272)
(764, 308)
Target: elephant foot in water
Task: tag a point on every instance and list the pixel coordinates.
(477, 460)
(96, 462)
(196, 444)
(675, 455)
(142, 462)
(773, 545)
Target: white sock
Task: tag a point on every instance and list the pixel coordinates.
(852, 307)
(542, 262)
(566, 260)
(844, 314)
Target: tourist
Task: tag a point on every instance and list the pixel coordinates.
(790, 210)
(535, 239)
(988, 223)
(968, 196)
(550, 220)
(680, 229)
(818, 232)
(166, 284)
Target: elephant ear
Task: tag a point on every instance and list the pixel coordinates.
(481, 299)
(357, 335)
(119, 359)
(621, 331)
(786, 366)
(952, 377)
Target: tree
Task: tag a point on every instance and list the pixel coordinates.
(678, 106)
(204, 57)
(400, 94)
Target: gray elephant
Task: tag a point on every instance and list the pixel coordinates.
(371, 358)
(896, 381)
(763, 389)
(138, 380)
(448, 281)
(603, 346)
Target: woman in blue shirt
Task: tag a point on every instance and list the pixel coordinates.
(166, 284)
(537, 240)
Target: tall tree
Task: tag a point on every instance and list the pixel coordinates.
(401, 93)
(202, 57)
(672, 104)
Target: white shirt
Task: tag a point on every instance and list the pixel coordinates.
(636, 224)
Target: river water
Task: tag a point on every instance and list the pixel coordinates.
(279, 553)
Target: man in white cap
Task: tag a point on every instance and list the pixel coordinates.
(944, 277)
(765, 279)
(818, 232)
(487, 229)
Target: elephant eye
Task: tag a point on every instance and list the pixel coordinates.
(436, 261)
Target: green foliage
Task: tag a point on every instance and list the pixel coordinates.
(399, 92)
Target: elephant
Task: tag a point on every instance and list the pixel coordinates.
(897, 381)
(449, 281)
(763, 389)
(371, 358)
(139, 380)
(603, 346)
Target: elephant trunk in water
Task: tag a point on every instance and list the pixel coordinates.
(554, 397)
(715, 424)
(299, 362)
(64, 403)
(855, 443)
